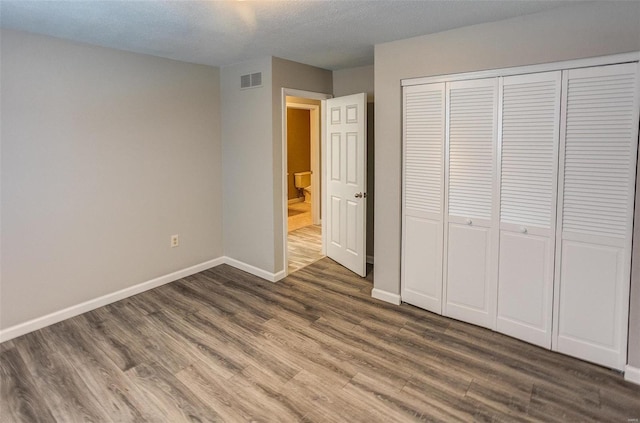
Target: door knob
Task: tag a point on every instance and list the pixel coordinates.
(524, 230)
(359, 195)
(469, 222)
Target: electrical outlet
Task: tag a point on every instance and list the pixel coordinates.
(175, 241)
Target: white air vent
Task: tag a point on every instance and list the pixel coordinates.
(251, 80)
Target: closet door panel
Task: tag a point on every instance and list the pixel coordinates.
(423, 198)
(468, 298)
(529, 138)
(422, 277)
(599, 140)
(524, 286)
(584, 268)
(471, 184)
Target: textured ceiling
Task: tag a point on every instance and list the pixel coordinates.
(327, 34)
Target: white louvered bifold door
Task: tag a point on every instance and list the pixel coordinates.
(529, 137)
(423, 199)
(599, 139)
(470, 288)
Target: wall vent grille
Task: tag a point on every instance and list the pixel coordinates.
(251, 80)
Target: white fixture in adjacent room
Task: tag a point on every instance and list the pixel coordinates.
(302, 182)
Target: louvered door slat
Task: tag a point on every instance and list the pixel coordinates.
(471, 150)
(529, 145)
(424, 135)
(598, 165)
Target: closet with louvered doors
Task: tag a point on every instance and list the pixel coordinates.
(598, 150)
(528, 156)
(518, 209)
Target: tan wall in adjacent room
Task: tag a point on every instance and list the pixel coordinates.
(298, 146)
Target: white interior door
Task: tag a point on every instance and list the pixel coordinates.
(471, 243)
(599, 138)
(423, 195)
(346, 176)
(529, 137)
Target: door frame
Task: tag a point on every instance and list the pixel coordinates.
(291, 92)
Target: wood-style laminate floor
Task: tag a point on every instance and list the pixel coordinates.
(305, 247)
(223, 345)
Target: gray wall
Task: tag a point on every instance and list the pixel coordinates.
(566, 33)
(248, 165)
(252, 151)
(354, 81)
(105, 155)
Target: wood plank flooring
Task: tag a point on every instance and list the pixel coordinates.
(305, 246)
(223, 345)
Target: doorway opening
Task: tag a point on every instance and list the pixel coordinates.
(303, 181)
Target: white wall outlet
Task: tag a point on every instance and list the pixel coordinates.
(175, 241)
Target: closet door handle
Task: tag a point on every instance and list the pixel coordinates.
(469, 222)
(524, 230)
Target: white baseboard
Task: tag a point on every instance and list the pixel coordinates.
(271, 277)
(296, 200)
(632, 374)
(370, 259)
(58, 316)
(385, 296)
(280, 275)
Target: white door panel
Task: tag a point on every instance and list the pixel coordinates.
(469, 287)
(525, 287)
(353, 210)
(336, 203)
(347, 181)
(529, 139)
(423, 195)
(422, 263)
(599, 137)
(471, 218)
(595, 335)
